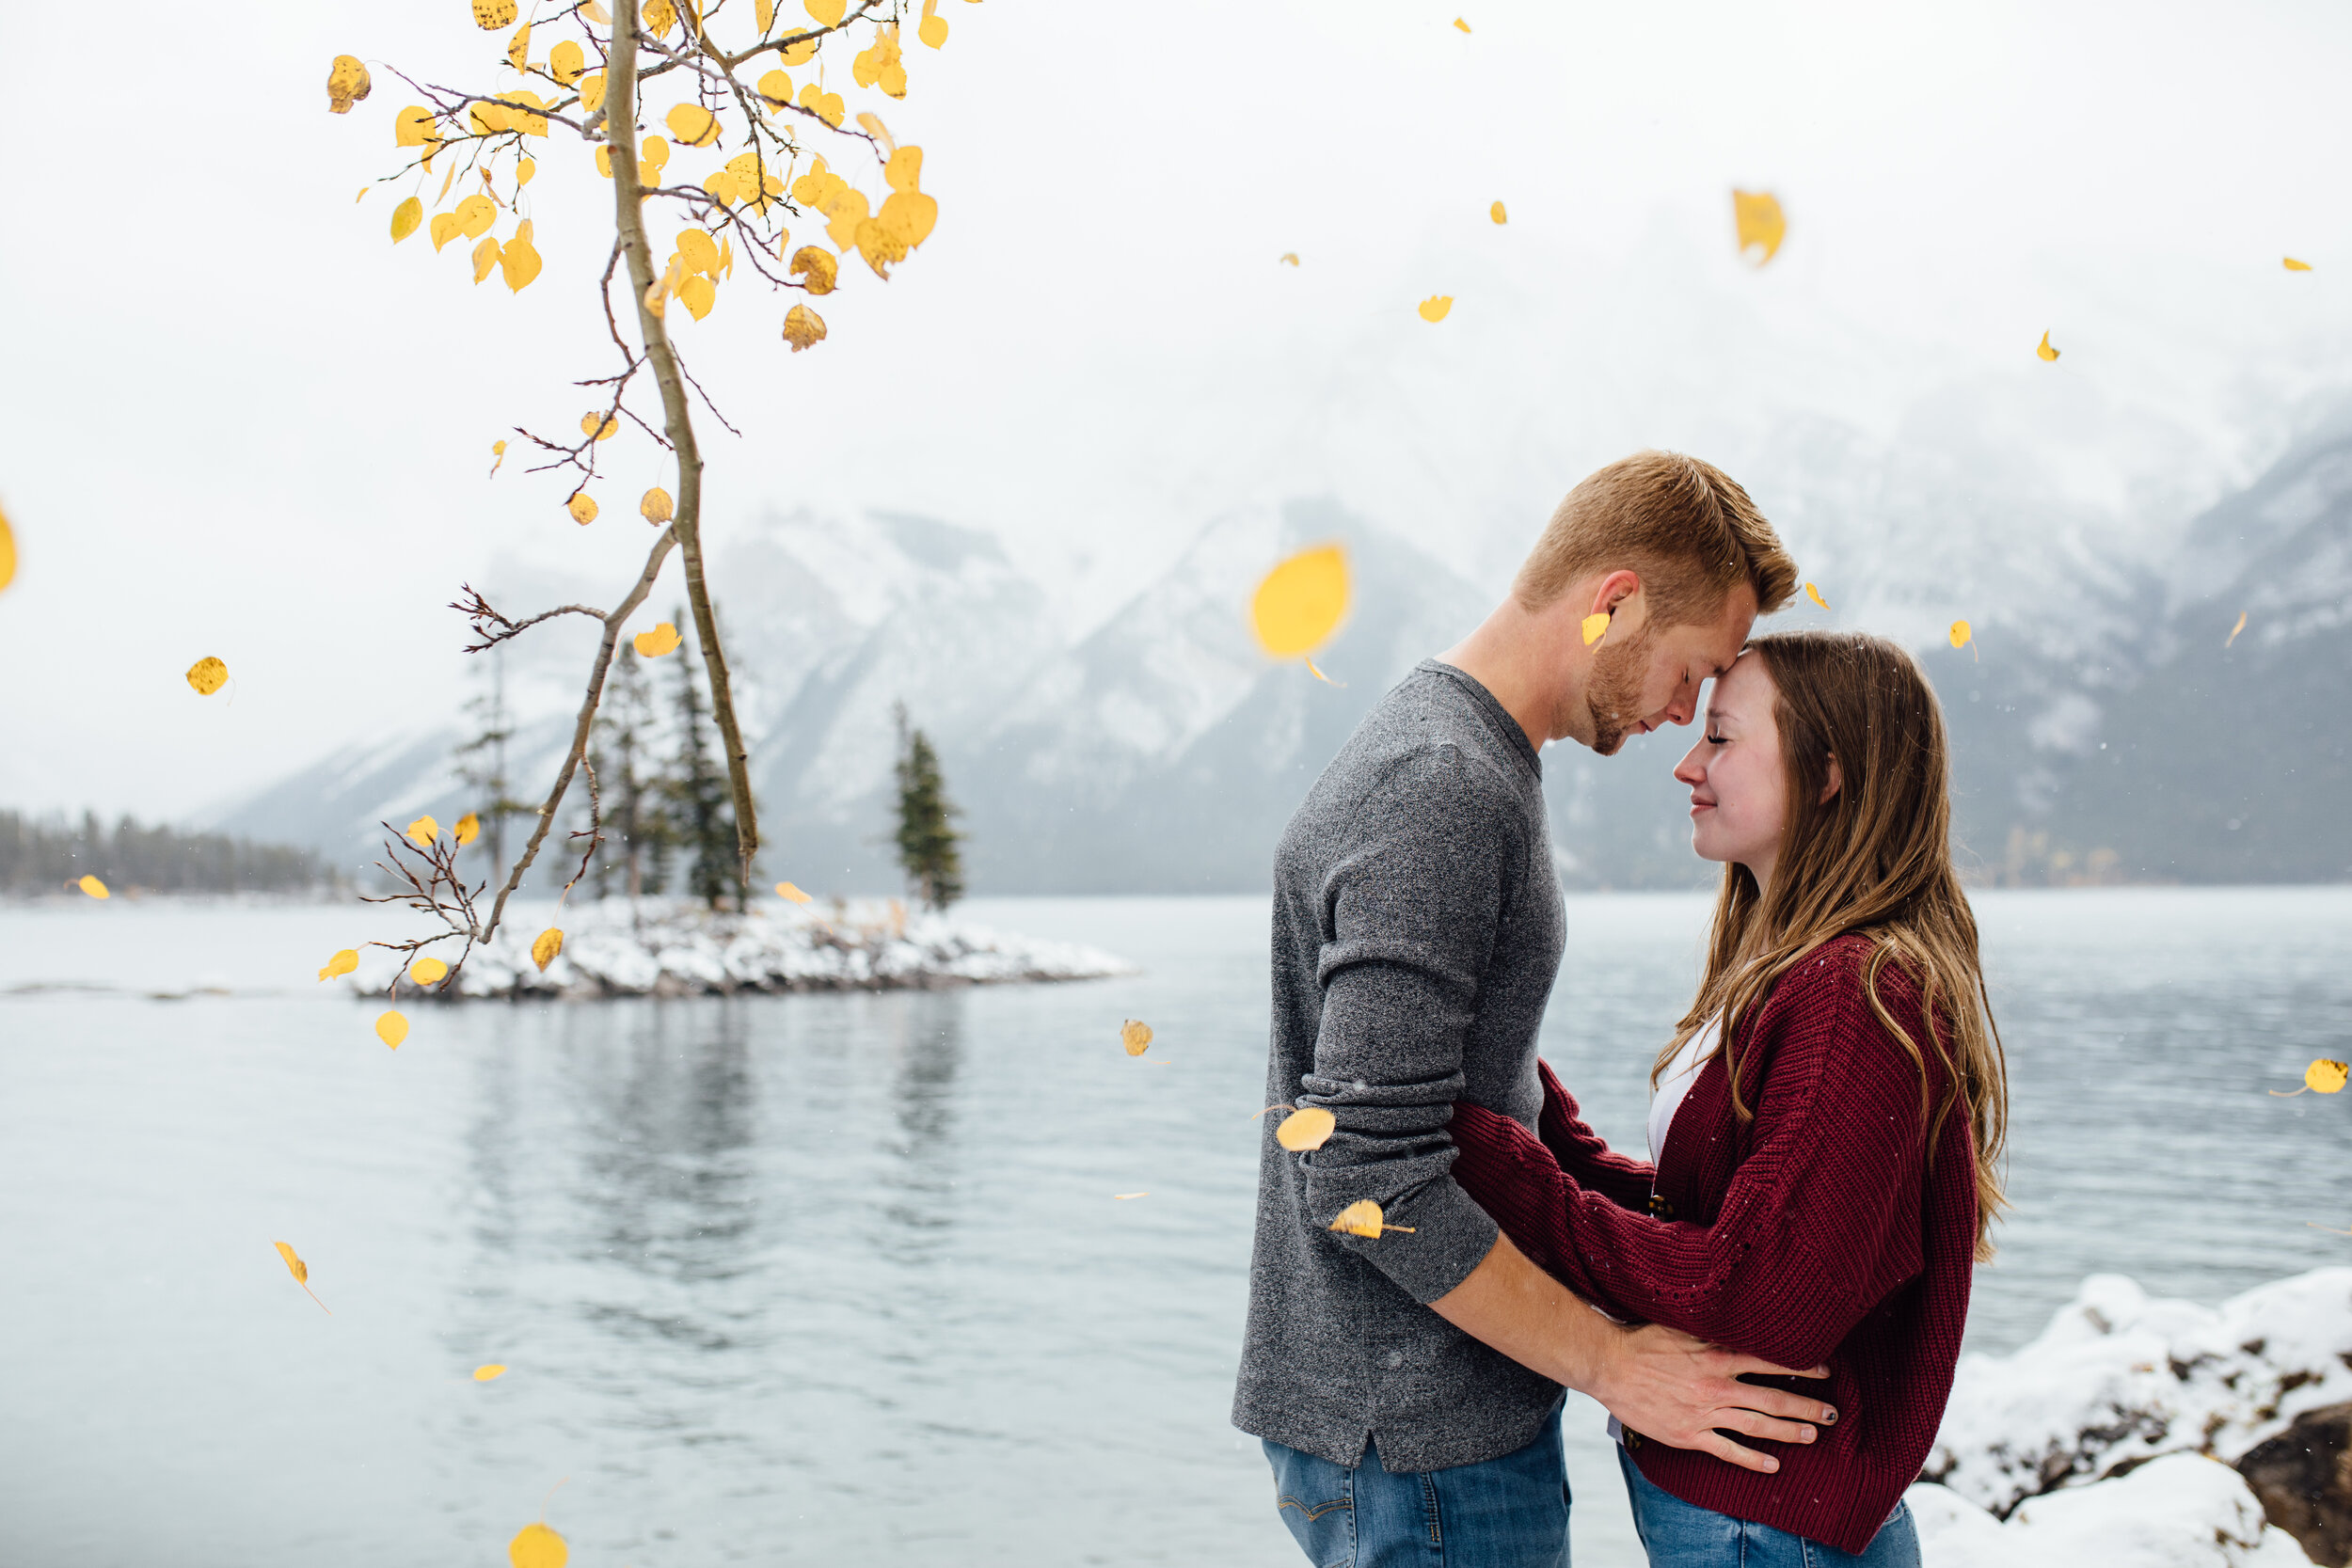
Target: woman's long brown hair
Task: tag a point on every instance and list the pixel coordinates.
(1875, 859)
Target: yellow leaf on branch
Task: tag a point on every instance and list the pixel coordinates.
(546, 947)
(342, 963)
(604, 161)
(525, 172)
(592, 93)
(656, 508)
(95, 888)
(428, 971)
(776, 88)
(346, 84)
(490, 15)
(518, 119)
(413, 127)
(1363, 1217)
(535, 1545)
(846, 209)
(301, 1272)
(207, 676)
(601, 426)
(405, 218)
(803, 328)
(518, 259)
(826, 106)
(764, 15)
(698, 294)
(1814, 594)
(444, 228)
(693, 125)
(787, 889)
(700, 253)
(391, 1028)
(468, 827)
(1434, 309)
(594, 11)
(474, 215)
(424, 830)
(486, 120)
(566, 63)
(798, 51)
(1305, 1128)
(1298, 603)
(485, 255)
(654, 153)
(1135, 1035)
(932, 29)
(827, 13)
(1594, 627)
(880, 65)
(519, 47)
(582, 507)
(882, 245)
(909, 215)
(871, 123)
(489, 1372)
(1761, 224)
(653, 645)
(819, 266)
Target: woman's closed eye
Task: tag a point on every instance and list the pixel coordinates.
(1718, 739)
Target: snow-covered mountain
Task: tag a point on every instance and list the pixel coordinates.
(2101, 728)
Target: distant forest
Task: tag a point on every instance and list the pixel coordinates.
(51, 854)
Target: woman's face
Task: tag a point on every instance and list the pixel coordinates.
(1739, 792)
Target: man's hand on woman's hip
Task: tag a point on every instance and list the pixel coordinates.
(1678, 1390)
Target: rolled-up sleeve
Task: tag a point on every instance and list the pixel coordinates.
(1411, 913)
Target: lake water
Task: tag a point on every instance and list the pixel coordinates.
(841, 1279)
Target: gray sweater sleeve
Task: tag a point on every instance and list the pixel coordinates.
(1412, 907)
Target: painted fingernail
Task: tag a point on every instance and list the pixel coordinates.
(1829, 1414)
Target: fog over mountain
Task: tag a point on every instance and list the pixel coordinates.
(2102, 729)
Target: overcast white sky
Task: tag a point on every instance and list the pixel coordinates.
(236, 421)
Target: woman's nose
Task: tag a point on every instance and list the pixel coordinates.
(1689, 770)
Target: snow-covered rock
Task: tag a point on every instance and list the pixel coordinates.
(2182, 1511)
(2120, 1377)
(675, 949)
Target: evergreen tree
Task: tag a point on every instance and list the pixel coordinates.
(700, 807)
(483, 767)
(636, 828)
(926, 839)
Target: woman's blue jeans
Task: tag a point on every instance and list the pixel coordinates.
(1683, 1535)
(1507, 1513)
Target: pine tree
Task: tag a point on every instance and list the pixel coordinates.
(636, 828)
(484, 768)
(927, 841)
(700, 807)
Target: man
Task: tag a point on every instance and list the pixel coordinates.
(1408, 1385)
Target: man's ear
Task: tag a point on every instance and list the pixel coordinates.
(1836, 781)
(1619, 597)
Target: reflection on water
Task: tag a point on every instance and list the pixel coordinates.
(835, 1279)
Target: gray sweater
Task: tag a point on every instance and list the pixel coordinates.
(1417, 928)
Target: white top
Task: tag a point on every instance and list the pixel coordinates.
(1676, 1082)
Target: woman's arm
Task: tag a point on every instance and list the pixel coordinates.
(1584, 1155)
(1813, 1231)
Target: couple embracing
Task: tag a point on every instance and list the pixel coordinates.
(1770, 1305)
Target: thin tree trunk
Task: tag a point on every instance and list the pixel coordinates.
(620, 130)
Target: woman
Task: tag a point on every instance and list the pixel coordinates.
(1826, 1121)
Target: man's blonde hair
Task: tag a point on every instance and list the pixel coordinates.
(1690, 532)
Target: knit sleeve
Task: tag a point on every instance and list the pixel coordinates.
(1584, 1155)
(1815, 1228)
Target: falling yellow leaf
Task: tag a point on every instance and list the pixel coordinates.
(362, 196)
(8, 552)
(525, 172)
(693, 125)
(546, 947)
(428, 971)
(484, 1373)
(1298, 603)
(424, 830)
(1290, 258)
(803, 328)
(206, 676)
(655, 508)
(346, 84)
(932, 29)
(1761, 223)
(2233, 631)
(1497, 213)
(2294, 265)
(535, 1545)
(468, 827)
(1316, 671)
(342, 963)
(405, 218)
(391, 1028)
(1435, 307)
(2324, 1077)
(1462, 24)
(444, 228)
(301, 1272)
(498, 450)
(1135, 1035)
(95, 888)
(490, 15)
(1814, 594)
(519, 47)
(413, 127)
(2045, 350)
(1305, 1128)
(1363, 1218)
(1124, 1197)
(654, 644)
(485, 257)
(1962, 632)
(1594, 627)
(786, 890)
(826, 13)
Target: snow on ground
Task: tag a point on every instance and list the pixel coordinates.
(2182, 1510)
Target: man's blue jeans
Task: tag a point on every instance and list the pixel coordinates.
(1683, 1535)
(1507, 1513)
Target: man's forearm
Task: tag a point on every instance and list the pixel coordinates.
(1510, 1304)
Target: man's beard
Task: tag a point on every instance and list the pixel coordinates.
(1614, 695)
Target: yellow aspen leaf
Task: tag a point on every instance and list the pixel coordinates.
(659, 16)
(846, 209)
(1298, 603)
(871, 123)
(361, 196)
(698, 295)
(798, 51)
(486, 120)
(474, 215)
(468, 827)
(489, 1371)
(519, 47)
(545, 946)
(301, 1272)
(1462, 24)
(485, 255)
(653, 645)
(786, 890)
(2233, 631)
(2288, 261)
(525, 172)
(654, 153)
(490, 15)
(1814, 594)
(1434, 309)
(566, 63)
(604, 162)
(424, 830)
(95, 888)
(1135, 1035)
(582, 507)
(1594, 627)
(413, 127)
(879, 65)
(498, 450)
(1124, 1197)
(1497, 213)
(442, 194)
(2324, 1077)
(2044, 349)
(346, 84)
(8, 552)
(342, 963)
(595, 12)
(1363, 1218)
(428, 971)
(592, 92)
(656, 508)
(405, 218)
(1305, 1128)
(763, 15)
(207, 675)
(518, 119)
(803, 328)
(1290, 258)
(882, 246)
(932, 29)
(601, 426)
(1315, 670)
(391, 1028)
(537, 1546)
(826, 13)
(1962, 632)
(693, 125)
(818, 182)
(726, 258)
(700, 253)
(1756, 218)
(776, 88)
(518, 259)
(909, 215)
(826, 106)
(444, 228)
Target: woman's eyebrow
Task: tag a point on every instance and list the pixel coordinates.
(1715, 717)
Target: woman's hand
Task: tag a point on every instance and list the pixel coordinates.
(1678, 1390)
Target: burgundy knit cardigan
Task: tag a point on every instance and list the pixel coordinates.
(1817, 1231)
